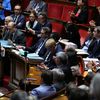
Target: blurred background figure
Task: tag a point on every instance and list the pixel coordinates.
(80, 13)
(37, 5)
(4, 5)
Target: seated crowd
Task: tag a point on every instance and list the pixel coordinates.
(61, 65)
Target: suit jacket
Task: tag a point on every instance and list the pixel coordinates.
(83, 16)
(46, 24)
(48, 57)
(42, 6)
(43, 90)
(94, 49)
(16, 37)
(36, 26)
(20, 22)
(39, 46)
(96, 17)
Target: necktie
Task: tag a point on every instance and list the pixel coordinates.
(39, 47)
(15, 19)
(48, 53)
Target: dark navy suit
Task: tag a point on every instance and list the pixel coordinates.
(38, 47)
(16, 37)
(20, 21)
(94, 49)
(48, 57)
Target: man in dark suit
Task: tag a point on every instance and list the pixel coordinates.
(94, 47)
(43, 20)
(80, 13)
(18, 18)
(52, 49)
(15, 35)
(39, 47)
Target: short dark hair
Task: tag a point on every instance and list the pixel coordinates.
(46, 29)
(78, 94)
(47, 77)
(72, 57)
(19, 95)
(43, 14)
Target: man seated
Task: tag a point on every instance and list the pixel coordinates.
(46, 88)
(43, 20)
(94, 47)
(52, 49)
(18, 18)
(15, 35)
(39, 47)
(4, 28)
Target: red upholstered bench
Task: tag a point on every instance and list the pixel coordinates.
(55, 10)
(57, 27)
(6, 80)
(66, 12)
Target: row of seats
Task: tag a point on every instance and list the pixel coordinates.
(62, 12)
(90, 2)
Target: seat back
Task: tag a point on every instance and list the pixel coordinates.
(91, 2)
(55, 10)
(67, 9)
(97, 2)
(57, 27)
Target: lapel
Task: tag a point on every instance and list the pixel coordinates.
(35, 23)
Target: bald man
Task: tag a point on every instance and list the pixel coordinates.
(14, 34)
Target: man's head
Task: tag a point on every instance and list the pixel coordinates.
(8, 19)
(50, 45)
(45, 32)
(17, 9)
(47, 77)
(42, 17)
(96, 32)
(11, 26)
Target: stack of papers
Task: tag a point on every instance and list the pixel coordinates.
(34, 56)
(5, 44)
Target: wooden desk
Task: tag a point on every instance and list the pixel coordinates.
(19, 67)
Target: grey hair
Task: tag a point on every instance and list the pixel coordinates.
(9, 18)
(63, 57)
(58, 75)
(95, 86)
(98, 28)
